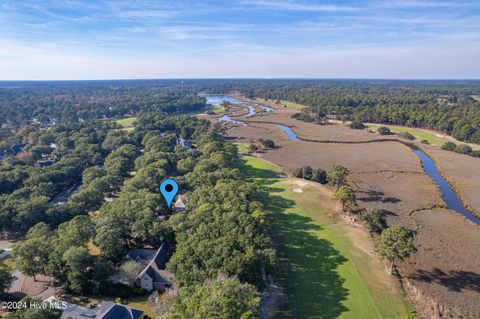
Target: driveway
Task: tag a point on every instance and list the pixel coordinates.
(5, 245)
(16, 286)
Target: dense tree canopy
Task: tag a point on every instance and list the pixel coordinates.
(220, 298)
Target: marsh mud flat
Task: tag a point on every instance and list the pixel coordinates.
(443, 277)
(448, 194)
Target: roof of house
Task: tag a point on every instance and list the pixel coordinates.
(72, 311)
(110, 310)
(180, 203)
(78, 312)
(142, 254)
(17, 148)
(46, 163)
(156, 265)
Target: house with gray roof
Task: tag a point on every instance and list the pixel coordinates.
(153, 276)
(180, 204)
(106, 310)
(110, 310)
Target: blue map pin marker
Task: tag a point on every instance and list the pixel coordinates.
(169, 188)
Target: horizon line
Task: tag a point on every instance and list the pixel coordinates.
(242, 78)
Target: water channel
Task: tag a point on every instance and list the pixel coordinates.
(448, 194)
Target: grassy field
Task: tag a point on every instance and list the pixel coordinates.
(215, 108)
(292, 105)
(242, 147)
(126, 122)
(328, 268)
(432, 137)
(288, 104)
(420, 134)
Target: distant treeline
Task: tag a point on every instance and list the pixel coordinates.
(448, 106)
(66, 102)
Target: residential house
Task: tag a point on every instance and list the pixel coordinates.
(6, 153)
(106, 310)
(153, 276)
(110, 310)
(45, 163)
(72, 311)
(184, 143)
(180, 204)
(18, 148)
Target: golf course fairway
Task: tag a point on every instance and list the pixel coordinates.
(328, 269)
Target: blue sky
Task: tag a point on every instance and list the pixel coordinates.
(106, 39)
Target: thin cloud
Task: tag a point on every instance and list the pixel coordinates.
(302, 38)
(423, 4)
(297, 6)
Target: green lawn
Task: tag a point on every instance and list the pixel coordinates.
(126, 122)
(215, 108)
(242, 147)
(420, 134)
(292, 105)
(325, 274)
(142, 304)
(288, 104)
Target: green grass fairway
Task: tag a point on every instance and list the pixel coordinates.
(242, 147)
(288, 104)
(418, 133)
(126, 122)
(215, 108)
(292, 105)
(328, 268)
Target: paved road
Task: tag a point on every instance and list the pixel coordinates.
(17, 284)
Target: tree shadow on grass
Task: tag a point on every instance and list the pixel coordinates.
(377, 196)
(314, 288)
(307, 264)
(454, 280)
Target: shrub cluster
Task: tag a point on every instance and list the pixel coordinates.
(461, 149)
(307, 172)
